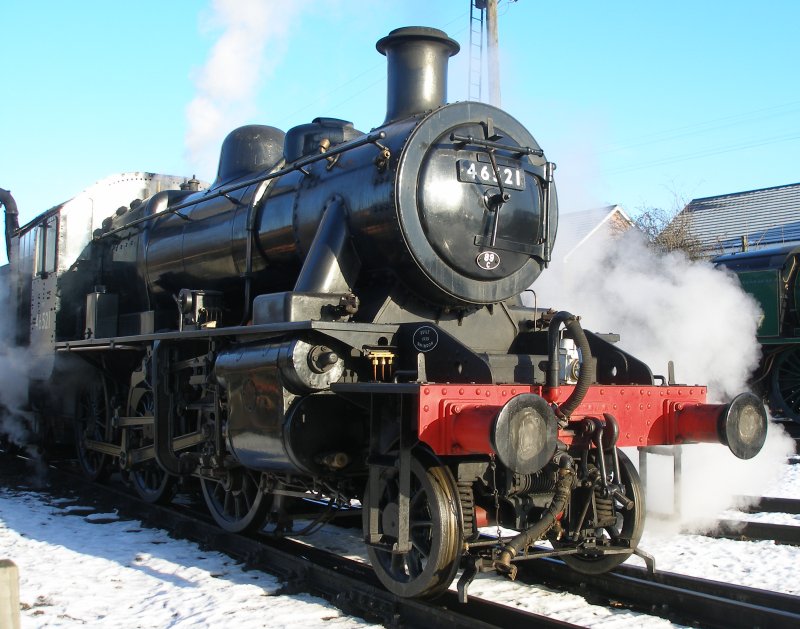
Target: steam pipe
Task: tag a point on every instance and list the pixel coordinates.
(331, 265)
(12, 217)
(518, 544)
(252, 213)
(588, 368)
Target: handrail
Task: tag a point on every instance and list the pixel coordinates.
(369, 138)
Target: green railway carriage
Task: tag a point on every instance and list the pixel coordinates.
(771, 277)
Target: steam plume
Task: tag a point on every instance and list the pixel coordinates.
(16, 420)
(13, 375)
(666, 307)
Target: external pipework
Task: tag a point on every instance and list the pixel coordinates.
(12, 217)
(588, 368)
(518, 544)
(417, 76)
(331, 265)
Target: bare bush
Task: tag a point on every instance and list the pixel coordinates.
(669, 230)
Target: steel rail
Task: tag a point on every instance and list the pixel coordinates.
(746, 530)
(769, 504)
(677, 598)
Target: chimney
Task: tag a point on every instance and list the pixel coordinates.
(417, 57)
(12, 218)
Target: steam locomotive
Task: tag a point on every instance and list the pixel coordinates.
(339, 317)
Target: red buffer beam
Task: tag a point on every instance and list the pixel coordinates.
(481, 419)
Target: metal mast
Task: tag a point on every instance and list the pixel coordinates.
(483, 19)
(477, 9)
(493, 68)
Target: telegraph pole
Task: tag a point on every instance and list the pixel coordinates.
(494, 54)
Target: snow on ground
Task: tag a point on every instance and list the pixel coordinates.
(757, 564)
(79, 568)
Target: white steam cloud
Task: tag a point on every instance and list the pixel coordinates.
(666, 307)
(237, 66)
(13, 374)
(16, 420)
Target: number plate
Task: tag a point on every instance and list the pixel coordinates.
(477, 172)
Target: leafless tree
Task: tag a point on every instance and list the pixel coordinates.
(669, 230)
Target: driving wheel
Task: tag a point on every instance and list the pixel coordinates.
(92, 424)
(150, 481)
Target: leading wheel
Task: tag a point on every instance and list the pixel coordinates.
(429, 567)
(785, 385)
(627, 529)
(236, 501)
(92, 424)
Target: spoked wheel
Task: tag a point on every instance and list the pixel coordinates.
(626, 530)
(92, 424)
(236, 502)
(431, 564)
(151, 482)
(785, 386)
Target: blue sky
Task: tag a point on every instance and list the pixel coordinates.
(637, 102)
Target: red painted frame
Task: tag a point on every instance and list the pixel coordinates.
(456, 419)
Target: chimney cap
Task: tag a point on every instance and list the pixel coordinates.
(417, 32)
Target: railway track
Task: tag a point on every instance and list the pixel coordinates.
(348, 584)
(742, 529)
(748, 530)
(770, 505)
(678, 598)
(353, 587)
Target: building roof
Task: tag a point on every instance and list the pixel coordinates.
(765, 217)
(575, 228)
